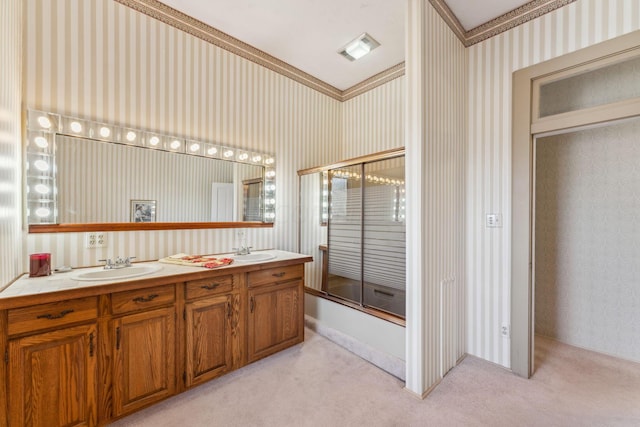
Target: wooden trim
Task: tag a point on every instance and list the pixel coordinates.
(368, 310)
(4, 372)
(138, 226)
(382, 155)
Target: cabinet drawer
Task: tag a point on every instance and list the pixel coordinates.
(208, 287)
(142, 299)
(50, 315)
(273, 275)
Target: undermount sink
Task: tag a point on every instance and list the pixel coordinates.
(119, 273)
(254, 257)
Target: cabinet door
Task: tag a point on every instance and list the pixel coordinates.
(52, 380)
(208, 339)
(275, 318)
(144, 359)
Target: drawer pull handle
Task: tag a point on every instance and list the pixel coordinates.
(55, 316)
(146, 299)
(387, 294)
(91, 344)
(282, 273)
(210, 287)
(118, 338)
(228, 310)
(252, 304)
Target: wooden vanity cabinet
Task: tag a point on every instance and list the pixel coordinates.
(52, 366)
(276, 310)
(209, 327)
(90, 356)
(143, 348)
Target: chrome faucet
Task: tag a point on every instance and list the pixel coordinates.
(243, 250)
(119, 262)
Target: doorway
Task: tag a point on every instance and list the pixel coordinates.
(579, 92)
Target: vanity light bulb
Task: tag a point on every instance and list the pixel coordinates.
(175, 144)
(44, 122)
(154, 140)
(211, 151)
(41, 142)
(243, 156)
(42, 189)
(270, 174)
(41, 165)
(256, 159)
(228, 153)
(269, 161)
(43, 212)
(105, 132)
(76, 127)
(194, 147)
(131, 136)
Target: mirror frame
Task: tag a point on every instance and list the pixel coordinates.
(60, 125)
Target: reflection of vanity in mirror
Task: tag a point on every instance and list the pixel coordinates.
(352, 221)
(84, 174)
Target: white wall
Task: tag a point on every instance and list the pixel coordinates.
(587, 233)
(491, 64)
(10, 141)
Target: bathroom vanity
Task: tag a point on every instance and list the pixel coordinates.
(87, 352)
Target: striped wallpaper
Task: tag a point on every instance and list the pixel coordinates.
(103, 61)
(436, 90)
(10, 141)
(491, 64)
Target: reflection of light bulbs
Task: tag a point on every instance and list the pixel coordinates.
(76, 127)
(269, 161)
(211, 151)
(243, 156)
(256, 159)
(154, 140)
(41, 142)
(42, 189)
(105, 132)
(43, 212)
(41, 165)
(175, 144)
(194, 147)
(131, 136)
(44, 122)
(228, 153)
(270, 174)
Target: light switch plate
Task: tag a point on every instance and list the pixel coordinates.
(494, 220)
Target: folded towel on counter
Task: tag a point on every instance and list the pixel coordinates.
(206, 261)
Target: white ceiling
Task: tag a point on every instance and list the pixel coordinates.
(308, 33)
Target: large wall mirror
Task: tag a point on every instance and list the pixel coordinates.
(81, 175)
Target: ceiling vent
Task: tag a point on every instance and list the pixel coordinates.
(359, 47)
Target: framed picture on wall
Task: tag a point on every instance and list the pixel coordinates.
(143, 210)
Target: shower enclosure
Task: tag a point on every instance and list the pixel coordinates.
(360, 208)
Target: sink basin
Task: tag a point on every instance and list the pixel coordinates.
(120, 273)
(254, 257)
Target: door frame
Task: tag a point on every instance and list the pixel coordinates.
(523, 181)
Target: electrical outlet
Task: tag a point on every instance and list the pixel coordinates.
(505, 330)
(95, 240)
(494, 220)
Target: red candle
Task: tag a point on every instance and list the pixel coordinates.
(39, 265)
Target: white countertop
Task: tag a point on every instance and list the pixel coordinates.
(65, 281)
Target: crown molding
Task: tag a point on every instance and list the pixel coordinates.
(174, 18)
(525, 13)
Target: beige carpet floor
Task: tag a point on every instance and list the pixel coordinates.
(319, 383)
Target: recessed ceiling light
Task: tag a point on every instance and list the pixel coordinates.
(359, 47)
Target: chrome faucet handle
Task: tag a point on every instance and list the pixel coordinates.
(108, 263)
(128, 260)
(248, 249)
